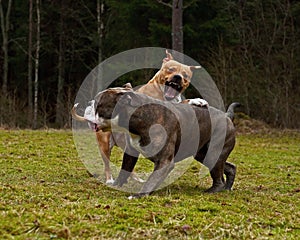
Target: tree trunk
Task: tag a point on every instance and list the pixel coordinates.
(37, 59)
(4, 30)
(177, 29)
(30, 26)
(177, 32)
(100, 10)
(61, 73)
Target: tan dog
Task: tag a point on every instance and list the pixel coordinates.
(170, 81)
(168, 84)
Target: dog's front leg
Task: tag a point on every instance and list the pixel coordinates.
(161, 171)
(128, 164)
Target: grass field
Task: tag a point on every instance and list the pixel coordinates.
(46, 193)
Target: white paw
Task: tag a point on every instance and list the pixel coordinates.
(136, 178)
(198, 102)
(140, 180)
(130, 197)
(110, 181)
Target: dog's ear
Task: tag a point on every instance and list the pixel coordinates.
(127, 85)
(194, 67)
(132, 99)
(169, 57)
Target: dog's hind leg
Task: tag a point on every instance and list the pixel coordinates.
(221, 167)
(218, 181)
(230, 171)
(103, 143)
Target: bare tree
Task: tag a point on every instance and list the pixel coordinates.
(177, 31)
(100, 28)
(4, 30)
(30, 30)
(266, 58)
(177, 26)
(61, 70)
(37, 60)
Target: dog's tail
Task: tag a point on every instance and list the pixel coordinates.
(230, 110)
(75, 115)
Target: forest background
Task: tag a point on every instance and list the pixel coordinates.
(251, 48)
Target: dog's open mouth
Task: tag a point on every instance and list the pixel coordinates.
(172, 90)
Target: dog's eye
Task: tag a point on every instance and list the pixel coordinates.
(171, 69)
(185, 76)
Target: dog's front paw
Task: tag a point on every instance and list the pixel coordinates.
(131, 197)
(119, 183)
(110, 181)
(137, 178)
(138, 195)
(198, 102)
(122, 178)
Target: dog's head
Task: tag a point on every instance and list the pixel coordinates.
(116, 106)
(110, 107)
(174, 76)
(105, 101)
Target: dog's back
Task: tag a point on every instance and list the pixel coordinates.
(167, 132)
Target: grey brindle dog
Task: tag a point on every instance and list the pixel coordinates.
(166, 133)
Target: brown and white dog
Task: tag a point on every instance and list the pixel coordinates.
(168, 84)
(166, 133)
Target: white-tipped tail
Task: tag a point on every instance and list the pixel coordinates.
(75, 115)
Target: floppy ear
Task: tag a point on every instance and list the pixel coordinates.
(169, 56)
(194, 67)
(132, 99)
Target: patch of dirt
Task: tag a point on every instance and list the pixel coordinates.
(246, 125)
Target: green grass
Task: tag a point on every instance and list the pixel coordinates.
(46, 193)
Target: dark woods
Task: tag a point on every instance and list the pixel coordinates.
(251, 49)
